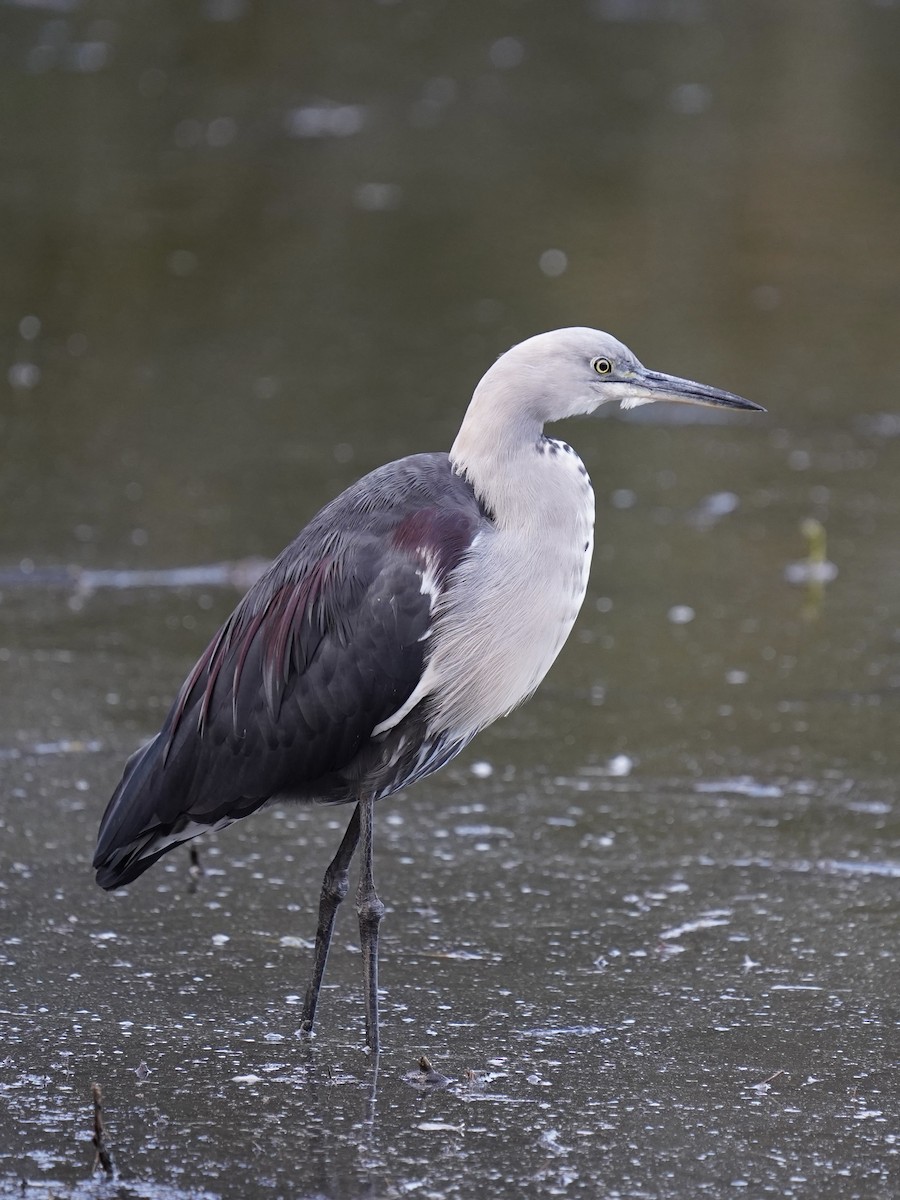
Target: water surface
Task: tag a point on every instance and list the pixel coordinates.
(646, 927)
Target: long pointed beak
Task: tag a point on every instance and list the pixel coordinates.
(650, 386)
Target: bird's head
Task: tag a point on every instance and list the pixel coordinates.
(570, 371)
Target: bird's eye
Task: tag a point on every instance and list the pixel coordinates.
(602, 366)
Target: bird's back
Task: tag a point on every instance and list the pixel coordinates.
(322, 651)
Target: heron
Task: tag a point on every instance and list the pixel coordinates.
(423, 603)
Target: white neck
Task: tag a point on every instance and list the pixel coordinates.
(495, 450)
(523, 580)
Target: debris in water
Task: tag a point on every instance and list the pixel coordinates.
(743, 785)
(426, 1076)
(765, 1086)
(708, 920)
(83, 580)
(103, 1157)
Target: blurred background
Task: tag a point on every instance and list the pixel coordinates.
(252, 249)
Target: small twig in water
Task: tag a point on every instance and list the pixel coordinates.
(103, 1156)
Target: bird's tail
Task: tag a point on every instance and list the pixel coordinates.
(133, 832)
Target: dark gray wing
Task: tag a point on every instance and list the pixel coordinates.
(328, 644)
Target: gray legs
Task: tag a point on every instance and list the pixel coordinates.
(335, 886)
(369, 909)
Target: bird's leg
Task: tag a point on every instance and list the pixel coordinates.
(335, 886)
(370, 911)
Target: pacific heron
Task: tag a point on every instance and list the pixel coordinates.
(427, 600)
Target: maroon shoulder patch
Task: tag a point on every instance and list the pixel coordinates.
(442, 536)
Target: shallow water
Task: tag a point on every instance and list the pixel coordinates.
(645, 929)
(630, 984)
